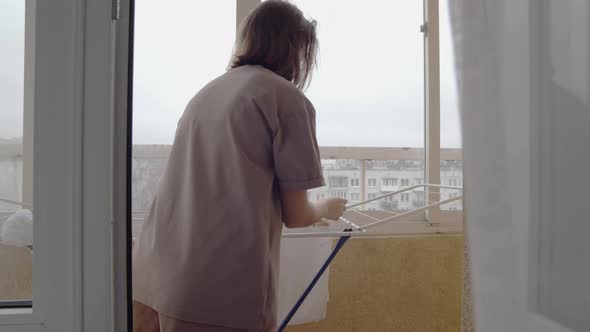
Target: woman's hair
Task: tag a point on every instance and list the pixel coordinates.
(278, 37)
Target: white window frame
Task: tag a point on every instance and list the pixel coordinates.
(434, 153)
(389, 182)
(71, 90)
(373, 181)
(405, 197)
(337, 184)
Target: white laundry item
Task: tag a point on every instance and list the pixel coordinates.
(17, 230)
(301, 259)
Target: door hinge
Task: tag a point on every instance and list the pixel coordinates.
(116, 8)
(424, 29)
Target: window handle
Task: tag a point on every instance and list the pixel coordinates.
(424, 29)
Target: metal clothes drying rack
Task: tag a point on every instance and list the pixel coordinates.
(21, 204)
(345, 229)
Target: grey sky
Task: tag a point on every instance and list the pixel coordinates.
(12, 33)
(368, 90)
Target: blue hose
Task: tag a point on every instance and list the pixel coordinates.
(317, 277)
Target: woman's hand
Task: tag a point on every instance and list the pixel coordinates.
(333, 208)
(298, 211)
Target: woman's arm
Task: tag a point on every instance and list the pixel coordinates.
(298, 211)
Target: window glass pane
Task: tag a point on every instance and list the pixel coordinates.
(394, 175)
(451, 164)
(450, 124)
(368, 90)
(16, 219)
(172, 62)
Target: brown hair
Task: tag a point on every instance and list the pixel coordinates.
(278, 37)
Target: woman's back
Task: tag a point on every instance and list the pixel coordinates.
(217, 211)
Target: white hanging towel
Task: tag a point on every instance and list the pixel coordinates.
(301, 258)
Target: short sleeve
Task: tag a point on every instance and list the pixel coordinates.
(295, 151)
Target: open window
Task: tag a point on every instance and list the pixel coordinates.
(384, 92)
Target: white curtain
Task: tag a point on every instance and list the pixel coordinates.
(479, 28)
(524, 85)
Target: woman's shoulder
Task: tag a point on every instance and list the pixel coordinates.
(268, 81)
(268, 90)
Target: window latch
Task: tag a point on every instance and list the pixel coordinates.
(424, 29)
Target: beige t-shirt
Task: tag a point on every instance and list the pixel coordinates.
(209, 248)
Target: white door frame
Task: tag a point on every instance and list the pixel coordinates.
(73, 170)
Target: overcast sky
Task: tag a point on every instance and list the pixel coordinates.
(368, 89)
(12, 32)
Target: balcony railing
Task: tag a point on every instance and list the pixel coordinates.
(149, 162)
(341, 162)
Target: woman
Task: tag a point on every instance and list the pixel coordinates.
(244, 156)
